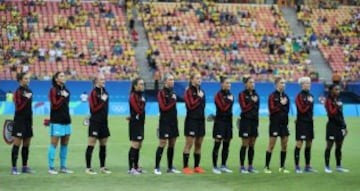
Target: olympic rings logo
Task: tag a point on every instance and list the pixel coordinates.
(118, 108)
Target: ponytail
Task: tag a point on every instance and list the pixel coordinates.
(277, 80)
(134, 83)
(192, 76)
(20, 76)
(55, 76)
(223, 79)
(246, 79)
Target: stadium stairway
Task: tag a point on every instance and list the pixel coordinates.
(320, 65)
(140, 51)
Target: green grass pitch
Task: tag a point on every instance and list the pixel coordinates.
(118, 147)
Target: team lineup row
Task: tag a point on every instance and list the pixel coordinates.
(194, 127)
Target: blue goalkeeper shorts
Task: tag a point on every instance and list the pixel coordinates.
(59, 130)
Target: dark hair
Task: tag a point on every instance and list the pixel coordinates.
(20, 76)
(192, 75)
(223, 79)
(246, 79)
(277, 80)
(332, 86)
(134, 82)
(55, 76)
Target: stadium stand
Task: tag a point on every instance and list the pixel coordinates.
(338, 32)
(80, 38)
(218, 39)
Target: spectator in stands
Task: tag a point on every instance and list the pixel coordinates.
(34, 51)
(73, 74)
(2, 5)
(314, 76)
(114, 26)
(58, 55)
(61, 43)
(353, 57)
(67, 71)
(46, 76)
(114, 69)
(10, 35)
(73, 46)
(64, 4)
(105, 69)
(131, 23)
(157, 78)
(109, 14)
(52, 55)
(121, 3)
(271, 45)
(313, 40)
(49, 28)
(239, 60)
(25, 68)
(135, 36)
(42, 53)
(253, 24)
(336, 78)
(117, 49)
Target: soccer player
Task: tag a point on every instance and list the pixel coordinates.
(60, 122)
(278, 104)
(304, 124)
(168, 125)
(22, 129)
(249, 122)
(98, 128)
(194, 129)
(335, 128)
(136, 124)
(222, 132)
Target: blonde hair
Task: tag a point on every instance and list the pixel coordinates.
(95, 77)
(304, 79)
(167, 76)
